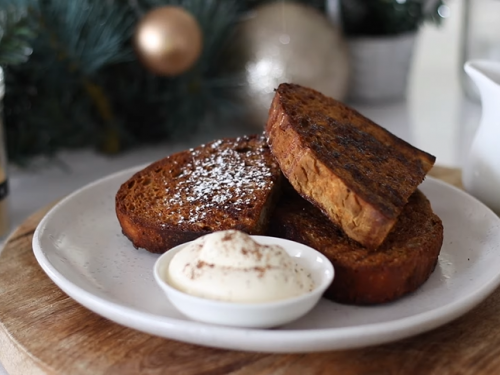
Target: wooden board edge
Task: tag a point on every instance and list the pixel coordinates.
(16, 360)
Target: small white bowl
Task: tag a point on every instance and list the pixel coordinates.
(252, 315)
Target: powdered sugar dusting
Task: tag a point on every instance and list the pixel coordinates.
(224, 180)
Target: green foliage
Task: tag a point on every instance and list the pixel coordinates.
(385, 17)
(88, 36)
(83, 85)
(16, 35)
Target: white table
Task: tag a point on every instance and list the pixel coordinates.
(436, 117)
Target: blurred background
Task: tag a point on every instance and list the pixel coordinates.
(116, 74)
(90, 87)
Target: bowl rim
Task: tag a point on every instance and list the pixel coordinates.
(326, 280)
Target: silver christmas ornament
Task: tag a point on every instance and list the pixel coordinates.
(294, 43)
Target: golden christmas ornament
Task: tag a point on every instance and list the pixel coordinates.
(168, 40)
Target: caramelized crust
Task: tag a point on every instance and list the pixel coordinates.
(399, 266)
(356, 172)
(226, 184)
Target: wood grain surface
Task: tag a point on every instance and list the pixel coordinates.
(42, 331)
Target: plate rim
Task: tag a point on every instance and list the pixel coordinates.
(317, 339)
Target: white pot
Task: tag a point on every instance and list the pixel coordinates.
(380, 67)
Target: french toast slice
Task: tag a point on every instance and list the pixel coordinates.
(358, 174)
(403, 262)
(226, 184)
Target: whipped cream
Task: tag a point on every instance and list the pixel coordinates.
(231, 266)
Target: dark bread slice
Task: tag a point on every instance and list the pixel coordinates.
(226, 184)
(356, 172)
(399, 266)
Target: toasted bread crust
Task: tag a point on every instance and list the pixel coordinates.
(399, 266)
(226, 184)
(356, 172)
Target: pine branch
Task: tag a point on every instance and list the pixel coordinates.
(83, 86)
(16, 35)
(89, 33)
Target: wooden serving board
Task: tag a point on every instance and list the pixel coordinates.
(43, 331)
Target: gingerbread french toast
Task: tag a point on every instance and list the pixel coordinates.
(401, 264)
(350, 192)
(357, 173)
(226, 184)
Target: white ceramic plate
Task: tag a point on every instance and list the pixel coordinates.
(80, 246)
